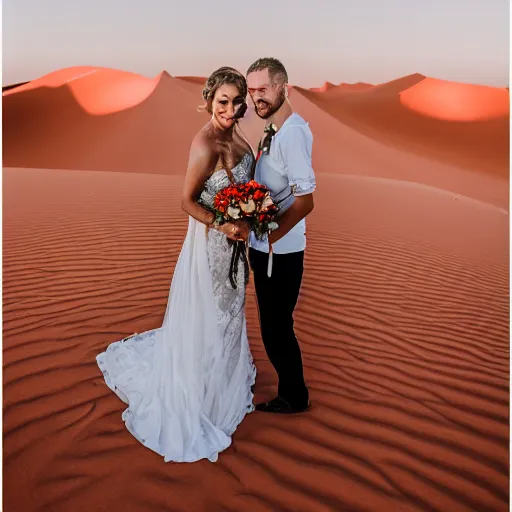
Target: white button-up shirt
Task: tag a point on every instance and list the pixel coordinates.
(287, 171)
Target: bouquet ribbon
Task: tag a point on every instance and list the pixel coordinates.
(238, 252)
(269, 265)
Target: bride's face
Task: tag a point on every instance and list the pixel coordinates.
(226, 101)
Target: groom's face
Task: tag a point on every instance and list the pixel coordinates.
(267, 95)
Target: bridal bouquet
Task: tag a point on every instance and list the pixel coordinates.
(250, 202)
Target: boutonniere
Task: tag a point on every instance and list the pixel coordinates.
(271, 128)
(264, 145)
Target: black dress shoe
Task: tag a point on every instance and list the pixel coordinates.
(280, 406)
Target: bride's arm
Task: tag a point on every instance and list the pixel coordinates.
(202, 160)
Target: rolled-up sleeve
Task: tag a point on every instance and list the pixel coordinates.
(296, 147)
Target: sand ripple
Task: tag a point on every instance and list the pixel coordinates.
(403, 321)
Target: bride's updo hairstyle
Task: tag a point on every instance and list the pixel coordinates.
(221, 76)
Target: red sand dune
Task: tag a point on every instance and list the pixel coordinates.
(12, 86)
(380, 114)
(193, 85)
(391, 88)
(50, 126)
(456, 102)
(57, 78)
(358, 86)
(403, 319)
(99, 91)
(398, 85)
(325, 87)
(339, 149)
(198, 80)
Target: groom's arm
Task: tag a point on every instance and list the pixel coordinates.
(295, 148)
(301, 207)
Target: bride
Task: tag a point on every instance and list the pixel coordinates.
(188, 383)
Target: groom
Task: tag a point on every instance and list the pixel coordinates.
(284, 166)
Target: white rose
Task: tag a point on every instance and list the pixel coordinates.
(233, 212)
(248, 207)
(267, 202)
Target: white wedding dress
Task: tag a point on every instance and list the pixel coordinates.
(188, 383)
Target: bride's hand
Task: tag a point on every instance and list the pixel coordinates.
(231, 230)
(244, 230)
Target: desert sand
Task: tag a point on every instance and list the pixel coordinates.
(403, 315)
(465, 125)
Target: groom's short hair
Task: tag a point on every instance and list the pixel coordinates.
(276, 70)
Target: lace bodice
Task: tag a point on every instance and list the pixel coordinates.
(220, 179)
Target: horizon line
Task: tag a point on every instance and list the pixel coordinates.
(17, 84)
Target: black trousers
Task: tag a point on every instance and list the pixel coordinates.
(277, 297)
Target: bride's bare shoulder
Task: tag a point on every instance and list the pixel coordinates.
(204, 151)
(205, 141)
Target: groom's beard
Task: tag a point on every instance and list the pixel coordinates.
(272, 108)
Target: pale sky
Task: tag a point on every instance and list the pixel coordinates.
(317, 40)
